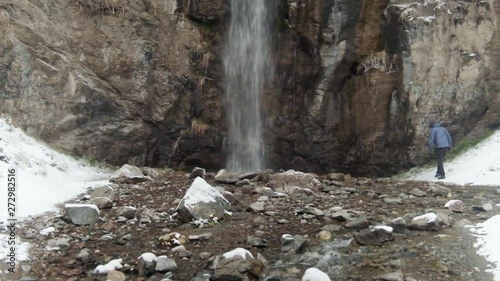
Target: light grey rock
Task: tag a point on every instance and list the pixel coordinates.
(126, 211)
(258, 206)
(393, 276)
(82, 214)
(146, 264)
(375, 236)
(102, 202)
(359, 223)
(115, 275)
(104, 191)
(164, 264)
(83, 255)
(128, 174)
(258, 242)
(62, 243)
(427, 222)
(417, 192)
(202, 201)
(456, 206)
(399, 225)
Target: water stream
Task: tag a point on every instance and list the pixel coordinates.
(247, 67)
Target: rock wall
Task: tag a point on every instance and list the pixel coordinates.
(356, 83)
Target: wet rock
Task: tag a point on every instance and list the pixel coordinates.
(456, 206)
(164, 264)
(146, 264)
(128, 174)
(376, 236)
(82, 214)
(202, 201)
(427, 222)
(126, 212)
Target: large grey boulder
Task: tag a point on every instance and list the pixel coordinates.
(82, 214)
(128, 174)
(202, 201)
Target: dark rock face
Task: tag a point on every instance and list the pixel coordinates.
(356, 81)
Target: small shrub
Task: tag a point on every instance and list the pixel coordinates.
(380, 61)
(198, 128)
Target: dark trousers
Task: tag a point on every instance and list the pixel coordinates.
(440, 153)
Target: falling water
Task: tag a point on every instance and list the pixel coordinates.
(247, 66)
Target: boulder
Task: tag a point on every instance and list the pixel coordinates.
(376, 236)
(238, 264)
(202, 201)
(427, 222)
(82, 214)
(128, 174)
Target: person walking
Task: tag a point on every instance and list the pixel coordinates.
(440, 142)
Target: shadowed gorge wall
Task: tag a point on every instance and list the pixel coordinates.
(356, 83)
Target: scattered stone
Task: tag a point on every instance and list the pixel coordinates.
(202, 201)
(393, 276)
(324, 235)
(146, 264)
(359, 223)
(427, 222)
(390, 200)
(294, 179)
(238, 264)
(205, 255)
(115, 275)
(294, 243)
(61, 243)
(83, 255)
(243, 182)
(256, 241)
(82, 214)
(164, 264)
(102, 202)
(111, 265)
(456, 206)
(336, 176)
(257, 207)
(376, 236)
(488, 207)
(126, 212)
(331, 227)
(104, 191)
(399, 225)
(232, 178)
(343, 215)
(283, 221)
(417, 192)
(128, 174)
(197, 172)
(438, 190)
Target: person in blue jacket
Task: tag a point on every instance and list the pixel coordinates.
(440, 142)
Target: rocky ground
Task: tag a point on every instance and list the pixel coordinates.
(330, 220)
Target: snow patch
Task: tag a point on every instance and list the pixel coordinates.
(238, 252)
(488, 243)
(148, 257)
(451, 202)
(201, 191)
(384, 227)
(314, 274)
(81, 206)
(47, 230)
(112, 265)
(430, 217)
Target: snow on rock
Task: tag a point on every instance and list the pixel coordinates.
(238, 252)
(456, 206)
(112, 265)
(82, 214)
(291, 179)
(384, 227)
(146, 264)
(202, 201)
(128, 174)
(429, 221)
(314, 274)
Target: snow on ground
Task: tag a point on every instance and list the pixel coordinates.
(43, 177)
(478, 166)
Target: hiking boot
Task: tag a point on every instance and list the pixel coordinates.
(437, 175)
(441, 177)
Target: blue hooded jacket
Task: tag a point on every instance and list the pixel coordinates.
(439, 137)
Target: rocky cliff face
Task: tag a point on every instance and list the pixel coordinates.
(356, 81)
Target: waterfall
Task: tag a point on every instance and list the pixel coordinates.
(247, 67)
